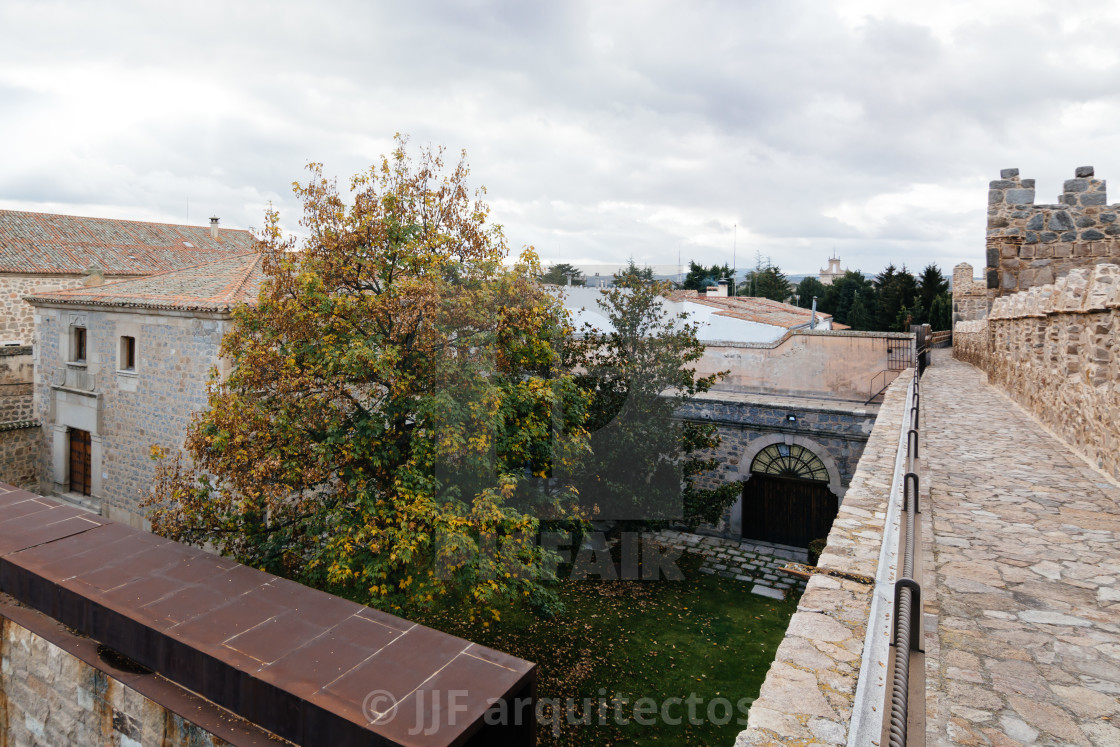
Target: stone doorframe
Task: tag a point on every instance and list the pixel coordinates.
(757, 445)
(81, 410)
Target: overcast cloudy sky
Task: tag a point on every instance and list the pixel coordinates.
(602, 130)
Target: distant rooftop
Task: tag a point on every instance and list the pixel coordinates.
(752, 309)
(736, 320)
(214, 286)
(44, 243)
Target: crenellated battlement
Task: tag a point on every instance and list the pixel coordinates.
(1082, 212)
(1032, 244)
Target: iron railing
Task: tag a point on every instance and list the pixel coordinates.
(907, 592)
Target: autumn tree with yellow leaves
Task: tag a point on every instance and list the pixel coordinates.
(394, 416)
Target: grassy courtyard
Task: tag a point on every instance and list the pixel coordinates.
(693, 648)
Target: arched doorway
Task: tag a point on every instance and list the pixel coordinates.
(787, 499)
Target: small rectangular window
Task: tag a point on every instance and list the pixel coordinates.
(79, 344)
(128, 353)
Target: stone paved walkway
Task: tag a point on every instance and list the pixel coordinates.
(743, 560)
(1026, 557)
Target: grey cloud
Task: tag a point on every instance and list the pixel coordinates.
(695, 116)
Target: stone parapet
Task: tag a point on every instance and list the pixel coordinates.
(809, 692)
(1029, 244)
(970, 341)
(1055, 349)
(971, 299)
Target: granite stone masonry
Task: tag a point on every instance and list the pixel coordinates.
(16, 316)
(1055, 349)
(1029, 244)
(971, 298)
(49, 696)
(832, 430)
(1025, 567)
(20, 442)
(19, 430)
(149, 405)
(809, 692)
(17, 381)
(757, 564)
(121, 368)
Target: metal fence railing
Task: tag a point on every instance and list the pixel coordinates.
(907, 635)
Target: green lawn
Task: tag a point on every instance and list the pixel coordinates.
(704, 637)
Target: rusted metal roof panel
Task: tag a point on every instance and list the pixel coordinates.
(296, 661)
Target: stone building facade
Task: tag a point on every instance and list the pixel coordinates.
(17, 321)
(1029, 244)
(835, 432)
(833, 273)
(19, 428)
(1056, 350)
(150, 346)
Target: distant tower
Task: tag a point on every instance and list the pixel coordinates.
(833, 271)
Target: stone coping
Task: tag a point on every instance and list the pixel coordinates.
(779, 401)
(807, 333)
(809, 693)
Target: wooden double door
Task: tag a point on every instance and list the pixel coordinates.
(80, 462)
(787, 511)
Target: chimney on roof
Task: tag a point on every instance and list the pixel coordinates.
(718, 291)
(214, 227)
(95, 277)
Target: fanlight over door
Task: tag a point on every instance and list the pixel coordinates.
(790, 460)
(787, 500)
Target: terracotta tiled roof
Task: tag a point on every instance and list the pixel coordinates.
(66, 244)
(214, 286)
(751, 309)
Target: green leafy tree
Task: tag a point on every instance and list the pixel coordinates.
(645, 465)
(632, 274)
(941, 313)
(767, 282)
(563, 273)
(840, 296)
(897, 290)
(392, 398)
(858, 317)
(906, 317)
(931, 284)
(807, 289)
(700, 277)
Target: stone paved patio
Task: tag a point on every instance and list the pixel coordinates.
(1026, 557)
(758, 565)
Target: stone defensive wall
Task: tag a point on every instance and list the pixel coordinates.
(1055, 349)
(111, 635)
(1029, 244)
(17, 317)
(970, 342)
(19, 428)
(971, 299)
(839, 365)
(827, 684)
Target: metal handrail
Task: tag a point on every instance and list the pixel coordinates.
(907, 591)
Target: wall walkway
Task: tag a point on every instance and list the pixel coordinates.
(1023, 579)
